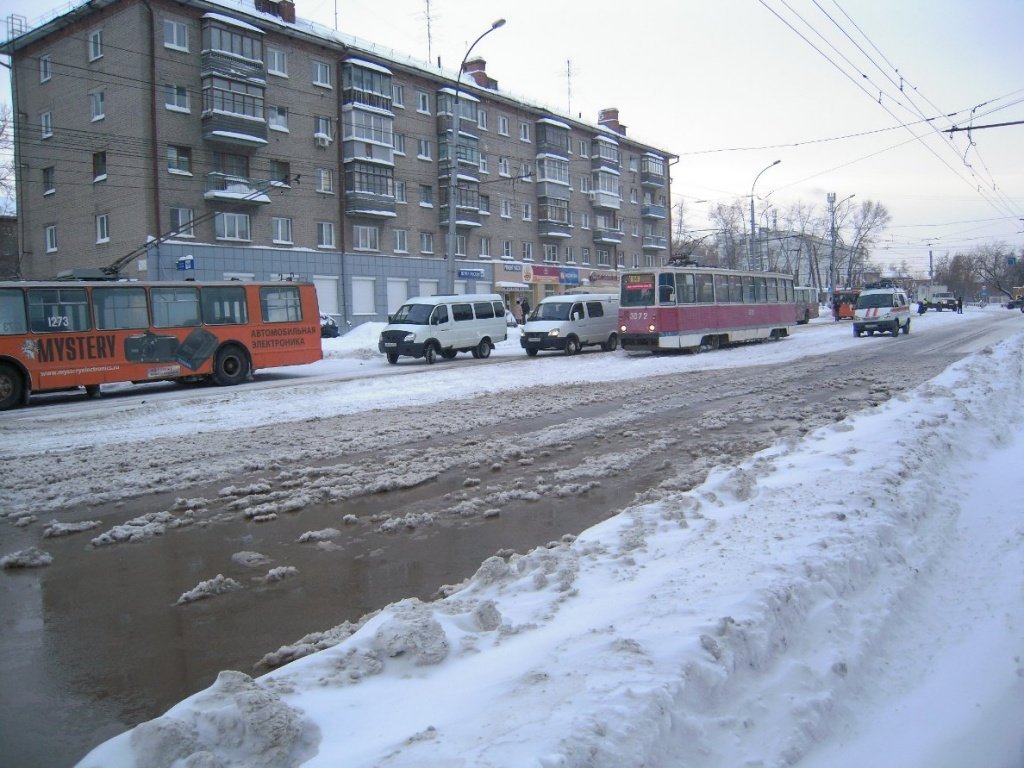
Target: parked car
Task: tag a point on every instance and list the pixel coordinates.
(328, 327)
(1017, 303)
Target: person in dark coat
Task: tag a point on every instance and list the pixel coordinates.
(525, 304)
(959, 305)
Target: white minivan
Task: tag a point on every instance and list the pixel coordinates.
(572, 321)
(428, 326)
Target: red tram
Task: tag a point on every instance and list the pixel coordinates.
(702, 308)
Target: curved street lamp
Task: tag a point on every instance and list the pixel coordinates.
(453, 164)
(750, 256)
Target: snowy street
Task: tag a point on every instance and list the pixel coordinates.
(819, 558)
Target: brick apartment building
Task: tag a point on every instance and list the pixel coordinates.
(231, 140)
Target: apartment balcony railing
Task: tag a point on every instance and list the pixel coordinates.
(610, 236)
(653, 211)
(655, 243)
(241, 190)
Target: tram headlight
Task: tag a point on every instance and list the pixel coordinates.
(650, 328)
(622, 328)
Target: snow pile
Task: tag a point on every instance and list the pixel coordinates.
(141, 528)
(33, 557)
(748, 621)
(218, 585)
(57, 528)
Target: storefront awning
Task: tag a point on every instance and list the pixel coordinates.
(509, 286)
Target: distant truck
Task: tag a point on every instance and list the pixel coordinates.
(937, 297)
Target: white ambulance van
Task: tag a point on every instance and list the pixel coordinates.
(572, 321)
(432, 326)
(883, 310)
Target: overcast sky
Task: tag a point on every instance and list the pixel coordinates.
(839, 92)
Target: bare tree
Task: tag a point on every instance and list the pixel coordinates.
(6, 159)
(995, 266)
(867, 223)
(730, 224)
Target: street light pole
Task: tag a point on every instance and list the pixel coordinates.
(832, 208)
(750, 254)
(453, 165)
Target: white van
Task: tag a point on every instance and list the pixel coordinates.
(428, 326)
(882, 309)
(572, 321)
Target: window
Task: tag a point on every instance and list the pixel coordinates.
(481, 119)
(175, 35)
(424, 150)
(524, 131)
(224, 305)
(400, 193)
(95, 44)
(322, 74)
(176, 97)
(58, 309)
(280, 304)
(485, 247)
(401, 241)
(527, 251)
(51, 238)
(277, 118)
(277, 62)
(280, 173)
(527, 211)
(45, 67)
(553, 169)
(120, 308)
(426, 196)
(231, 226)
(365, 238)
(281, 229)
(423, 102)
(222, 95)
(175, 307)
(369, 126)
(460, 245)
(426, 242)
(503, 125)
(584, 148)
(397, 95)
(585, 255)
(99, 166)
(103, 228)
(484, 168)
(503, 167)
(506, 249)
(231, 165)
(181, 222)
(570, 254)
(485, 204)
(179, 159)
(49, 180)
(506, 209)
(218, 36)
(325, 234)
(322, 127)
(46, 125)
(550, 252)
(398, 143)
(325, 180)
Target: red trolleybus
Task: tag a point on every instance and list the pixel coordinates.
(700, 308)
(65, 334)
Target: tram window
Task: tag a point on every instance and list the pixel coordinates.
(12, 311)
(58, 309)
(749, 290)
(761, 289)
(735, 289)
(117, 308)
(705, 288)
(687, 290)
(773, 290)
(666, 288)
(721, 288)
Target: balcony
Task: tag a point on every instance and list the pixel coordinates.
(369, 205)
(655, 243)
(651, 179)
(235, 130)
(605, 200)
(223, 64)
(653, 212)
(223, 187)
(556, 229)
(609, 236)
(466, 217)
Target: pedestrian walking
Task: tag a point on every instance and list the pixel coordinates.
(525, 306)
(959, 305)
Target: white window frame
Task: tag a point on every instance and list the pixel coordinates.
(325, 180)
(50, 236)
(426, 197)
(179, 35)
(527, 250)
(49, 184)
(524, 132)
(397, 95)
(460, 245)
(45, 67)
(485, 247)
(503, 167)
(503, 125)
(45, 124)
(182, 228)
(481, 119)
(424, 149)
(423, 102)
(277, 61)
(401, 192)
(277, 118)
(527, 212)
(365, 237)
(95, 44)
(177, 98)
(398, 143)
(102, 228)
(322, 126)
(281, 230)
(506, 209)
(174, 157)
(570, 254)
(325, 234)
(550, 253)
(228, 224)
(506, 249)
(322, 69)
(426, 242)
(401, 240)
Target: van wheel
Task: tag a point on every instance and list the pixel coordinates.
(612, 344)
(11, 387)
(92, 390)
(896, 329)
(393, 357)
(531, 352)
(483, 349)
(231, 366)
(572, 345)
(429, 354)
(906, 328)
